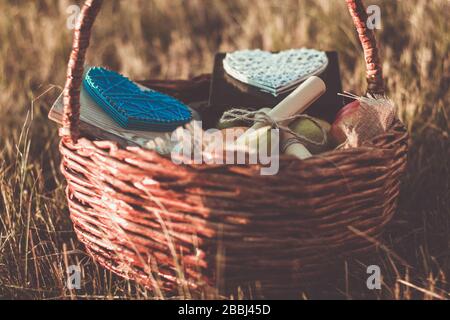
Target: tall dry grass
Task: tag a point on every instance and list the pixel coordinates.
(177, 39)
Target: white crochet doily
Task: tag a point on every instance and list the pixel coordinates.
(275, 72)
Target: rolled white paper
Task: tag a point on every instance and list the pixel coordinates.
(297, 102)
(265, 110)
(300, 99)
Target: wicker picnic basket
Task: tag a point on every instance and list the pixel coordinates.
(196, 227)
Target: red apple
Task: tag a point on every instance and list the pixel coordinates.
(346, 117)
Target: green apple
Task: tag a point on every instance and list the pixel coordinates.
(312, 130)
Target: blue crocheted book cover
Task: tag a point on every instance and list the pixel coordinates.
(132, 107)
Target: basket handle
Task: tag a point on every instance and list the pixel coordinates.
(82, 35)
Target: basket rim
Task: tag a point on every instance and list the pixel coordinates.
(370, 147)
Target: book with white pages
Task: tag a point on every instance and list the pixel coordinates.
(97, 123)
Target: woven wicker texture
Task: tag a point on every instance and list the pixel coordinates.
(170, 227)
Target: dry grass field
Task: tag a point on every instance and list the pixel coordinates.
(178, 39)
